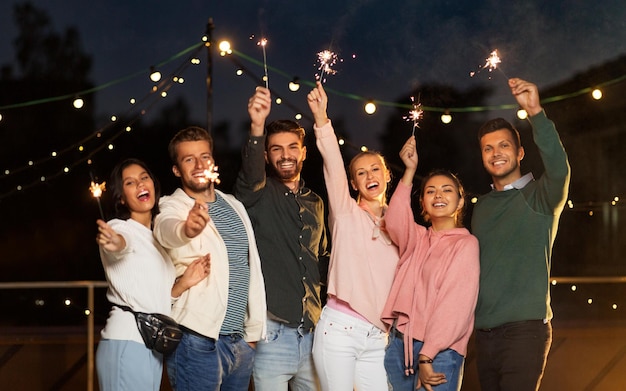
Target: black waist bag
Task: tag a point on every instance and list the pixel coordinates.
(159, 332)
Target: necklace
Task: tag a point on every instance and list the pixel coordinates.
(377, 231)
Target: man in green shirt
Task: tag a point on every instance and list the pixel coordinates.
(516, 225)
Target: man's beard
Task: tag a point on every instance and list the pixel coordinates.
(197, 187)
(287, 175)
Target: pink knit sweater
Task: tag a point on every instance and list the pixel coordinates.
(361, 266)
(435, 289)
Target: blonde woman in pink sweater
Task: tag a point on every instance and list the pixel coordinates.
(350, 338)
(431, 305)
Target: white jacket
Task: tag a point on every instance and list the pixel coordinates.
(202, 308)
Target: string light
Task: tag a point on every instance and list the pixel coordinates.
(370, 107)
(224, 47)
(294, 85)
(195, 60)
(522, 114)
(78, 103)
(596, 94)
(446, 118)
(155, 75)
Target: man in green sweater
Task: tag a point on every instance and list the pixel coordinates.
(516, 225)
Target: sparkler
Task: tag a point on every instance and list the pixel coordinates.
(211, 175)
(263, 43)
(96, 190)
(415, 114)
(491, 63)
(326, 60)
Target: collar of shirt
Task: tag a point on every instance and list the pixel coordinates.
(518, 184)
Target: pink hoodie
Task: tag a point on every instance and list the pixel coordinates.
(435, 289)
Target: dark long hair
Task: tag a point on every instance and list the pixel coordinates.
(117, 188)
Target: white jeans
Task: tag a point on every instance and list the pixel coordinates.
(349, 353)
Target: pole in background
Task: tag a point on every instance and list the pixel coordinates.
(209, 77)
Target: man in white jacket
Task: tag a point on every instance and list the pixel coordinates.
(223, 316)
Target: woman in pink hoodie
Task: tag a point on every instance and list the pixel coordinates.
(430, 308)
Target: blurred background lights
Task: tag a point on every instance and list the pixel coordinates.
(225, 48)
(446, 118)
(522, 114)
(596, 94)
(370, 107)
(155, 75)
(78, 103)
(294, 85)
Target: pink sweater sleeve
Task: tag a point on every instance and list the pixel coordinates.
(452, 319)
(339, 199)
(400, 223)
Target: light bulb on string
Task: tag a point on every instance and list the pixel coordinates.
(596, 94)
(294, 85)
(370, 107)
(522, 114)
(224, 47)
(78, 102)
(446, 118)
(155, 75)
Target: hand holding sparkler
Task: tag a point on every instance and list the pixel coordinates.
(527, 95)
(96, 190)
(318, 103)
(415, 114)
(197, 219)
(259, 107)
(409, 157)
(108, 239)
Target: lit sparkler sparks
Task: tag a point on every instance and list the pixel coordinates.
(263, 43)
(326, 60)
(96, 190)
(491, 63)
(211, 175)
(415, 114)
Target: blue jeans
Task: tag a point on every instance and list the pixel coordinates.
(512, 357)
(448, 362)
(201, 363)
(127, 365)
(284, 360)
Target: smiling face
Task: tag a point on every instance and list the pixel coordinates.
(285, 154)
(369, 176)
(138, 193)
(193, 158)
(442, 202)
(501, 157)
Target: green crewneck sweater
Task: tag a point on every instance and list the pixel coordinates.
(516, 229)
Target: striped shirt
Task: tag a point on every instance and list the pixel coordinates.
(232, 231)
